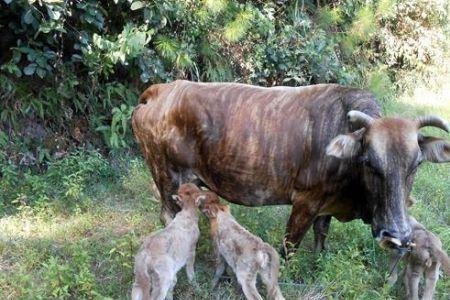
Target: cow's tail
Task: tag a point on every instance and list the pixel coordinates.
(444, 260)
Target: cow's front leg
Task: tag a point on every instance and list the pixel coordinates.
(321, 227)
(301, 219)
(168, 207)
(167, 186)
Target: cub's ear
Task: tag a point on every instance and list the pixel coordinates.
(434, 149)
(199, 200)
(346, 145)
(210, 211)
(177, 200)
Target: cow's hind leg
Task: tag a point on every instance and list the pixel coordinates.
(321, 227)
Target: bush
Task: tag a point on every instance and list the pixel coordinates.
(71, 71)
(64, 182)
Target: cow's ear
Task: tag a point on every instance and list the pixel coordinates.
(434, 149)
(346, 145)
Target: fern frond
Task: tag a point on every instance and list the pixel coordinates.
(167, 47)
(215, 6)
(236, 29)
(183, 61)
(364, 25)
(328, 17)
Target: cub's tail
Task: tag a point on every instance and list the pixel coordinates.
(141, 285)
(445, 260)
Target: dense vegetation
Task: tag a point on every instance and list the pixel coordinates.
(74, 199)
(71, 70)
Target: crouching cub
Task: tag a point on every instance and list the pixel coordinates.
(245, 253)
(425, 258)
(165, 252)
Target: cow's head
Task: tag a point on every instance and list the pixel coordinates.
(389, 150)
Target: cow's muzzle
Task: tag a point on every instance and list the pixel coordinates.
(387, 240)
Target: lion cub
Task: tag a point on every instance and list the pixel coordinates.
(425, 258)
(244, 252)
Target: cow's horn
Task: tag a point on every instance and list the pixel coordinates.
(433, 121)
(355, 116)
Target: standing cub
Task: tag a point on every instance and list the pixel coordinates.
(165, 252)
(425, 258)
(244, 252)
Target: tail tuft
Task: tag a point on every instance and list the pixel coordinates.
(445, 261)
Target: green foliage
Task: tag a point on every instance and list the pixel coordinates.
(363, 25)
(105, 53)
(380, 83)
(70, 62)
(328, 17)
(236, 29)
(117, 134)
(70, 276)
(216, 6)
(137, 179)
(63, 184)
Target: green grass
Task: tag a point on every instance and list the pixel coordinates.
(80, 242)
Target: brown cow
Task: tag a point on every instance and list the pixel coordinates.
(325, 149)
